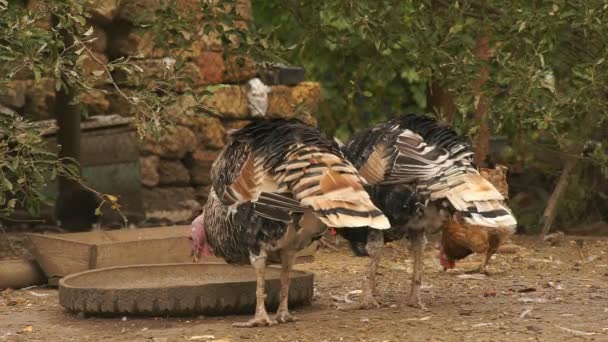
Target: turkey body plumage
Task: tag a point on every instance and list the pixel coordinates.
(419, 173)
(273, 184)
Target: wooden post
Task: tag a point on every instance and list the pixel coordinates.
(439, 101)
(74, 206)
(546, 221)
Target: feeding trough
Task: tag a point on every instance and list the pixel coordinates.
(62, 254)
(177, 289)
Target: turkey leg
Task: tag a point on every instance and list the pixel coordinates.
(287, 261)
(375, 243)
(261, 318)
(417, 249)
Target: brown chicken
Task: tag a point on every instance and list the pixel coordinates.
(459, 239)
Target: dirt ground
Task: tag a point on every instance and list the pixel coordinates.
(539, 293)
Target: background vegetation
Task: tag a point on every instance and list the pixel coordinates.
(534, 72)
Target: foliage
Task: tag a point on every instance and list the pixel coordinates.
(52, 40)
(26, 165)
(546, 61)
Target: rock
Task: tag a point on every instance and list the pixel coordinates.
(138, 11)
(534, 328)
(149, 170)
(145, 11)
(45, 23)
(212, 40)
(230, 102)
(152, 70)
(178, 141)
(93, 72)
(554, 239)
(202, 193)
(40, 99)
(173, 172)
(201, 163)
(103, 11)
(465, 312)
(211, 67)
(96, 101)
(100, 44)
(183, 112)
(230, 125)
(214, 69)
(132, 42)
(210, 131)
(301, 101)
(239, 69)
(13, 94)
(175, 204)
(508, 248)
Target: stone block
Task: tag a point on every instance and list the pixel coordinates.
(230, 102)
(178, 141)
(200, 170)
(40, 99)
(162, 69)
(210, 131)
(100, 44)
(91, 68)
(173, 205)
(202, 193)
(150, 176)
(215, 68)
(96, 101)
(173, 172)
(103, 11)
(145, 11)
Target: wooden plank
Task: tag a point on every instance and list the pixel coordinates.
(63, 254)
(156, 251)
(59, 257)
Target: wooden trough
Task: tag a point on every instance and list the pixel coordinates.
(62, 254)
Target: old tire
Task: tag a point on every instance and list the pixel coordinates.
(176, 289)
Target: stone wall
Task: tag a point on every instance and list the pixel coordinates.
(175, 170)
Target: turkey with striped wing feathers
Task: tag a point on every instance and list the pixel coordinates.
(272, 184)
(419, 174)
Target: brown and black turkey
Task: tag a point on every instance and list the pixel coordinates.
(273, 184)
(419, 173)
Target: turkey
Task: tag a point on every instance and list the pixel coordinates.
(419, 174)
(273, 185)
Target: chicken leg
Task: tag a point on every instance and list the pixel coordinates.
(418, 242)
(287, 261)
(261, 316)
(375, 243)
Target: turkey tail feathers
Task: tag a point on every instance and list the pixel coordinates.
(332, 188)
(476, 199)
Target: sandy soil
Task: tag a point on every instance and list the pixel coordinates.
(539, 293)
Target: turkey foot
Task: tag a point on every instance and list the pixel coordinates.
(260, 320)
(375, 242)
(417, 248)
(283, 316)
(415, 301)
